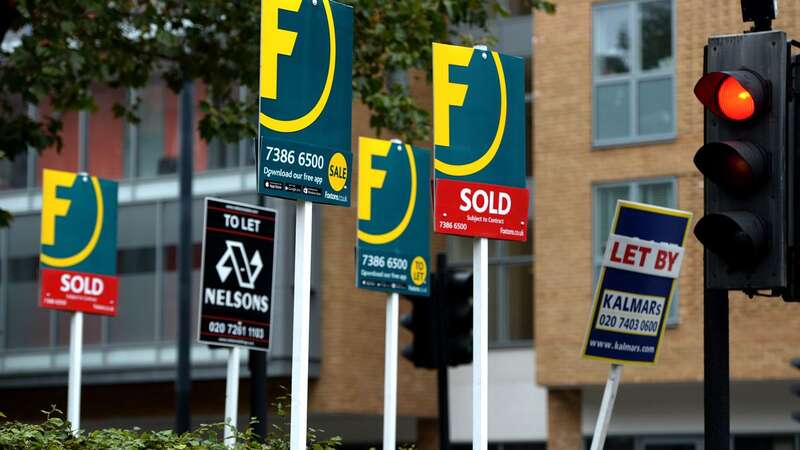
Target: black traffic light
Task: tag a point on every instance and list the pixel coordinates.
(445, 317)
(457, 299)
(795, 388)
(421, 322)
(746, 162)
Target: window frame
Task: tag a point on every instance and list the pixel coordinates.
(633, 78)
(501, 319)
(634, 194)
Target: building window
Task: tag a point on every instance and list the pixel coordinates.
(740, 442)
(767, 442)
(516, 7)
(152, 145)
(149, 149)
(510, 286)
(505, 446)
(634, 72)
(14, 173)
(659, 192)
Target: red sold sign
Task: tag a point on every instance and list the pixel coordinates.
(481, 210)
(75, 291)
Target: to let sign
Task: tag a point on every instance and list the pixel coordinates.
(479, 143)
(306, 101)
(237, 272)
(78, 256)
(393, 249)
(641, 265)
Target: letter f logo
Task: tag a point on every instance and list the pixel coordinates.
(52, 205)
(445, 93)
(274, 42)
(369, 177)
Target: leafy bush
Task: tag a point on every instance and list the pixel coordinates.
(55, 434)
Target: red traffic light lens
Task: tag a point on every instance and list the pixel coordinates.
(734, 95)
(735, 102)
(737, 173)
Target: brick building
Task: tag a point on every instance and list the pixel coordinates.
(615, 117)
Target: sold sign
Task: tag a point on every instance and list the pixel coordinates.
(479, 139)
(78, 243)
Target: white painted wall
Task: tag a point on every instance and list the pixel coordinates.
(517, 405)
(756, 407)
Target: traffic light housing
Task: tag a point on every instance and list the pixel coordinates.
(421, 322)
(745, 159)
(442, 324)
(457, 297)
(795, 388)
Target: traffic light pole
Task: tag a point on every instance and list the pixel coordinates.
(717, 369)
(258, 392)
(257, 361)
(183, 382)
(442, 381)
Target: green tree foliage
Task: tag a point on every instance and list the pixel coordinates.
(56, 51)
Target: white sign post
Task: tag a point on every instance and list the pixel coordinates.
(606, 407)
(300, 332)
(75, 363)
(232, 397)
(480, 343)
(390, 373)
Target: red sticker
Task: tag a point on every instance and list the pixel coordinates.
(481, 210)
(76, 291)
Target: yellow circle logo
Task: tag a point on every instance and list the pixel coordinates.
(337, 172)
(419, 270)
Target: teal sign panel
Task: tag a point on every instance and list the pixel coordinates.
(479, 116)
(79, 223)
(306, 101)
(394, 213)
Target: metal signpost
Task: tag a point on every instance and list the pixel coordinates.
(479, 143)
(236, 286)
(393, 247)
(78, 258)
(641, 264)
(305, 113)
